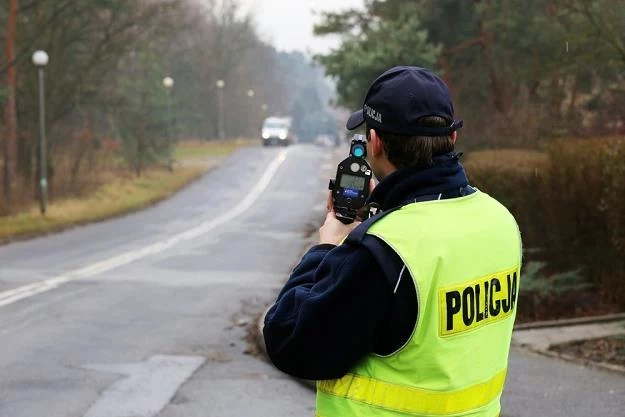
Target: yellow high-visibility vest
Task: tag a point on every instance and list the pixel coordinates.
(464, 255)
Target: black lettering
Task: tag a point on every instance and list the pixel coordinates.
(506, 304)
(480, 315)
(453, 307)
(494, 308)
(486, 299)
(513, 291)
(468, 306)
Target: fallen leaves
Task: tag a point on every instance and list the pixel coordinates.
(607, 349)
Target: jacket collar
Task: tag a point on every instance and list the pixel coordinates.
(405, 184)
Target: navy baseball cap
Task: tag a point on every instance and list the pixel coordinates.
(400, 97)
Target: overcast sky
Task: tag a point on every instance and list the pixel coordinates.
(288, 24)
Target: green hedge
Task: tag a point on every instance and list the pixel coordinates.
(570, 205)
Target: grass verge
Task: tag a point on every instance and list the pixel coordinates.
(118, 197)
(121, 194)
(198, 149)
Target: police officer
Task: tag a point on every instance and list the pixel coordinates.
(409, 313)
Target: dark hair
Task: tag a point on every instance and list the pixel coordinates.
(415, 151)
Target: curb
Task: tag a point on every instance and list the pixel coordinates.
(570, 322)
(574, 359)
(563, 323)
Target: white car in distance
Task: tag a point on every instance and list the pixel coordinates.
(277, 131)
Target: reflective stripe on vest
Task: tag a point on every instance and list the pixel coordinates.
(414, 400)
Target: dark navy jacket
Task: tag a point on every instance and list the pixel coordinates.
(337, 305)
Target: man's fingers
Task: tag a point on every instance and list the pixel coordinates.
(329, 203)
(371, 185)
(329, 216)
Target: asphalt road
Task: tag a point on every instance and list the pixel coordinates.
(146, 315)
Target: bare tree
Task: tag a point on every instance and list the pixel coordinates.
(10, 109)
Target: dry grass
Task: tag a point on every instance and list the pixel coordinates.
(118, 197)
(120, 193)
(198, 149)
(504, 159)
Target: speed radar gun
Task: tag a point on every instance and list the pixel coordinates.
(350, 188)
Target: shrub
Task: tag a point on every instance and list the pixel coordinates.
(570, 205)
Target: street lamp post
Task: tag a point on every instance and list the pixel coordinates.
(250, 119)
(168, 83)
(220, 121)
(40, 59)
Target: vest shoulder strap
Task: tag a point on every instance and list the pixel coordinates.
(389, 261)
(358, 234)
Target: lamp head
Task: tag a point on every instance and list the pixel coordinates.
(168, 82)
(40, 58)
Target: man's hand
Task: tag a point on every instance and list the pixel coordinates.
(334, 231)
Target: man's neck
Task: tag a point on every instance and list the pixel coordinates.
(398, 185)
(384, 171)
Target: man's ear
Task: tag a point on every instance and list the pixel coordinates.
(377, 147)
(454, 136)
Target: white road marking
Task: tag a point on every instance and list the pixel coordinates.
(20, 293)
(148, 387)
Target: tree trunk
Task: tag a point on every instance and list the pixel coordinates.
(571, 110)
(75, 170)
(499, 95)
(444, 64)
(10, 109)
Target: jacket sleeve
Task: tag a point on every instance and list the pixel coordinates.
(328, 314)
